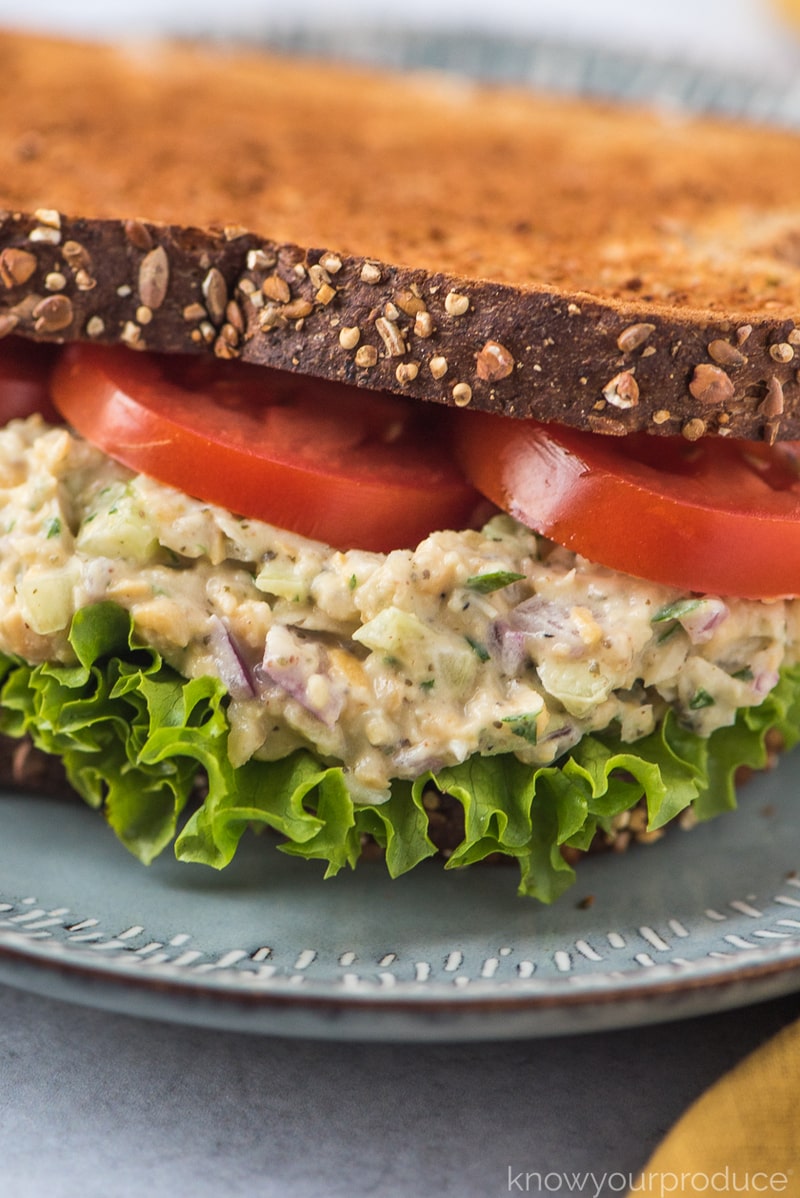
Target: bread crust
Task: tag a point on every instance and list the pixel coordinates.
(555, 329)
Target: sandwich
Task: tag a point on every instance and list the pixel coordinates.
(397, 463)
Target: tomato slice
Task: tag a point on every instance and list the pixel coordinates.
(353, 468)
(715, 515)
(24, 380)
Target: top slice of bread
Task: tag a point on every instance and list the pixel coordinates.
(573, 261)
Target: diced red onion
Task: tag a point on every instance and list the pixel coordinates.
(230, 661)
(291, 663)
(417, 760)
(558, 734)
(540, 619)
(764, 682)
(702, 621)
(507, 647)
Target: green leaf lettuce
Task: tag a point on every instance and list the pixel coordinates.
(134, 737)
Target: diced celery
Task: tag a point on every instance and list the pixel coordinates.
(277, 577)
(456, 666)
(573, 685)
(403, 636)
(500, 527)
(46, 598)
(118, 527)
(393, 631)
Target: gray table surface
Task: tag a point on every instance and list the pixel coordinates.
(97, 1105)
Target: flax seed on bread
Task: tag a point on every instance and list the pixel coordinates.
(609, 269)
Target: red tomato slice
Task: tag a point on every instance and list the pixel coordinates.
(353, 468)
(24, 380)
(715, 515)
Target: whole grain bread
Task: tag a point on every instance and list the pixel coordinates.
(537, 256)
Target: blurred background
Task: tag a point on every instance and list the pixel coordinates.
(730, 55)
(743, 33)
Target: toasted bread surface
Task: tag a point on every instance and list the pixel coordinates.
(537, 256)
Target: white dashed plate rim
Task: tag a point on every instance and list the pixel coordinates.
(701, 921)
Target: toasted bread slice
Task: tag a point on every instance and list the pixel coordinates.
(577, 262)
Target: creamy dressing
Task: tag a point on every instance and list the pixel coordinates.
(489, 641)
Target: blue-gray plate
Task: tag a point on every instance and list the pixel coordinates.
(699, 921)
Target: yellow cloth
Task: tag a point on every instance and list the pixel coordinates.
(742, 1136)
(790, 9)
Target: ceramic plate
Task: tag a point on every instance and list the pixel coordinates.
(699, 921)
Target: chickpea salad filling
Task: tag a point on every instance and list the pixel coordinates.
(321, 692)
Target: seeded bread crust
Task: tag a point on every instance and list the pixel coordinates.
(533, 256)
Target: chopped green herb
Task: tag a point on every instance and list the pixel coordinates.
(428, 684)
(745, 675)
(53, 527)
(486, 583)
(523, 725)
(701, 698)
(675, 610)
(353, 582)
(481, 652)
